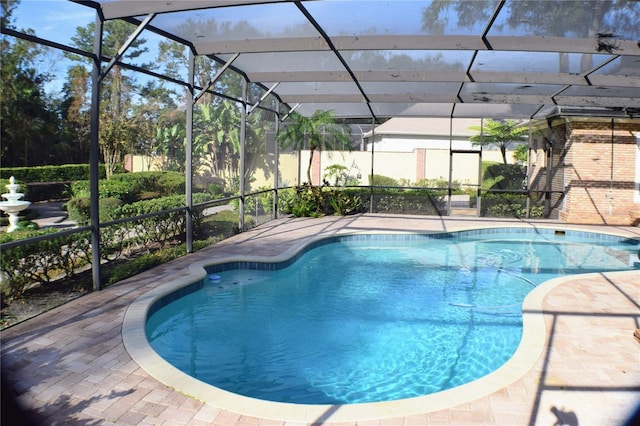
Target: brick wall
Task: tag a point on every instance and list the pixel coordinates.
(316, 173)
(421, 163)
(599, 175)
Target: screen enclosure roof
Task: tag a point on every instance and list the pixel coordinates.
(457, 58)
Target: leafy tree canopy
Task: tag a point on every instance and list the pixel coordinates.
(499, 133)
(320, 131)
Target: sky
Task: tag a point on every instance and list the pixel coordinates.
(52, 19)
(57, 20)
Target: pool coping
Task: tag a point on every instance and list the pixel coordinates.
(528, 352)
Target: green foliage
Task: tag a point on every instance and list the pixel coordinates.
(320, 131)
(380, 180)
(433, 183)
(79, 209)
(410, 201)
(508, 205)
(108, 208)
(343, 203)
(286, 199)
(171, 183)
(158, 229)
(316, 201)
(161, 182)
(106, 189)
(63, 173)
(266, 199)
(503, 176)
(29, 130)
(218, 226)
(42, 261)
(521, 153)
(338, 175)
(500, 133)
(309, 201)
(172, 144)
(216, 189)
(116, 272)
(45, 261)
(128, 188)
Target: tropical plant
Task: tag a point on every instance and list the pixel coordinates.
(171, 142)
(499, 133)
(521, 153)
(320, 131)
(117, 128)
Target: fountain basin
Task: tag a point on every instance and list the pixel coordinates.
(15, 206)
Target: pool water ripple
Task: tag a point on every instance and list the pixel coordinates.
(363, 321)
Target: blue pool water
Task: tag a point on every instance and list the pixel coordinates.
(369, 318)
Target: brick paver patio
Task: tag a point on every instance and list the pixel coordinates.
(69, 365)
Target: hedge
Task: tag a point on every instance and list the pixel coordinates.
(63, 173)
(44, 261)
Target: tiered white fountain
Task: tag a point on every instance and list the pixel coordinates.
(14, 205)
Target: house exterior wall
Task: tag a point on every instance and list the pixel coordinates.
(594, 161)
(402, 166)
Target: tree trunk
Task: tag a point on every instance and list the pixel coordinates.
(309, 167)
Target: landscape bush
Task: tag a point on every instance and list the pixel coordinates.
(65, 173)
(508, 205)
(380, 180)
(502, 176)
(44, 261)
(107, 188)
(410, 201)
(316, 201)
(40, 262)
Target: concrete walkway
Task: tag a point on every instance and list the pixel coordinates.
(69, 365)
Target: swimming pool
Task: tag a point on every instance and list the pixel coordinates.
(477, 283)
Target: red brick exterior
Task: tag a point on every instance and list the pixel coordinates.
(594, 161)
(316, 174)
(421, 163)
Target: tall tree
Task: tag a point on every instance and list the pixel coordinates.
(116, 133)
(75, 112)
(29, 124)
(499, 133)
(320, 132)
(158, 111)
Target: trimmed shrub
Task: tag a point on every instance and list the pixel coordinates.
(42, 261)
(503, 176)
(408, 201)
(508, 205)
(172, 183)
(379, 180)
(110, 188)
(64, 173)
(79, 210)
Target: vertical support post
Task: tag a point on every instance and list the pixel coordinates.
(449, 189)
(612, 163)
(373, 144)
(189, 157)
(276, 172)
(479, 203)
(527, 173)
(94, 154)
(479, 191)
(243, 134)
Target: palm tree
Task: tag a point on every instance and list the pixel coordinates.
(500, 133)
(320, 131)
